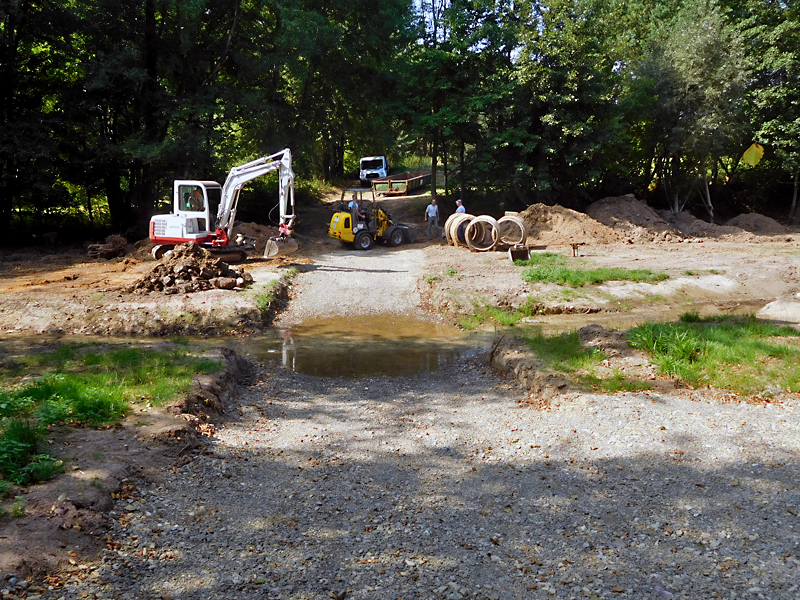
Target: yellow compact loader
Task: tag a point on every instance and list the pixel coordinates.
(360, 221)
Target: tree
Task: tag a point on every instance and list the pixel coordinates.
(36, 61)
(564, 119)
(696, 74)
(772, 30)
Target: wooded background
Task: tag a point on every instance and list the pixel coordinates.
(103, 103)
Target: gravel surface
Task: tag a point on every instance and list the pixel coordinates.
(445, 485)
(345, 281)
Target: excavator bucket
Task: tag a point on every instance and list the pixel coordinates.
(278, 246)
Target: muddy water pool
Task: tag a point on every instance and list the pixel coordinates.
(370, 345)
(378, 345)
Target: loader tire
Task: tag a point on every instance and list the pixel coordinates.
(363, 241)
(395, 237)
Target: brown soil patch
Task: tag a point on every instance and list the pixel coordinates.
(633, 219)
(259, 234)
(758, 224)
(559, 225)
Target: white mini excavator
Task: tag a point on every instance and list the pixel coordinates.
(194, 202)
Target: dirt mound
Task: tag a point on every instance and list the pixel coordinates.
(190, 268)
(633, 219)
(559, 225)
(692, 227)
(758, 224)
(259, 234)
(115, 246)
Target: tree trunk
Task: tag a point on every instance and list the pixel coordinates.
(116, 198)
(461, 171)
(89, 204)
(434, 163)
(705, 194)
(444, 163)
(792, 212)
(147, 190)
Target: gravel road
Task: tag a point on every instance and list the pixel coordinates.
(447, 485)
(348, 282)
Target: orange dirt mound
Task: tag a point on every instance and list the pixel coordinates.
(559, 225)
(632, 219)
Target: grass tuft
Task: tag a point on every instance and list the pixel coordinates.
(501, 315)
(563, 275)
(744, 355)
(564, 353)
(266, 296)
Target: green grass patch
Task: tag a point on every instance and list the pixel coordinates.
(501, 315)
(82, 385)
(564, 275)
(737, 353)
(564, 353)
(543, 258)
(266, 296)
(617, 382)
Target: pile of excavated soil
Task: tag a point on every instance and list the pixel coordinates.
(758, 224)
(633, 219)
(559, 225)
(190, 268)
(692, 227)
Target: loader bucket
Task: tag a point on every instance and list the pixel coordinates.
(519, 253)
(278, 246)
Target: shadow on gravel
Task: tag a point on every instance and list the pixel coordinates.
(431, 511)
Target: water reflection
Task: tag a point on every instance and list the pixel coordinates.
(374, 345)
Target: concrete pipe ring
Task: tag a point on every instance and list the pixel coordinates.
(512, 230)
(457, 228)
(447, 223)
(482, 233)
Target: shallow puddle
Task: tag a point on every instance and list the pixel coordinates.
(371, 345)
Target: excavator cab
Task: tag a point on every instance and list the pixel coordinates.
(205, 212)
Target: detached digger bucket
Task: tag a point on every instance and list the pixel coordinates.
(278, 246)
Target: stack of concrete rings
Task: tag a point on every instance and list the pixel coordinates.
(484, 233)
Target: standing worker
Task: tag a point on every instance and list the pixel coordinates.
(432, 217)
(460, 207)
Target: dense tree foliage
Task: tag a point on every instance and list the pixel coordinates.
(103, 103)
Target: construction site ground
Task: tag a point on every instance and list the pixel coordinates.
(747, 266)
(59, 290)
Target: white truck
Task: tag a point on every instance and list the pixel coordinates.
(372, 167)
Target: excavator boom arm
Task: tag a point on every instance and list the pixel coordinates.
(238, 176)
